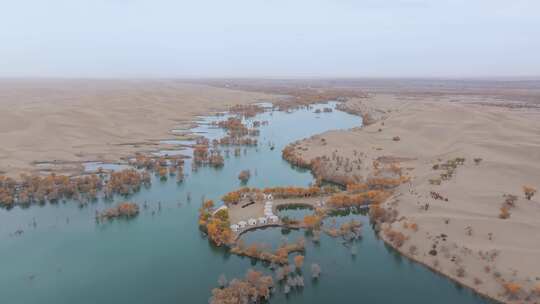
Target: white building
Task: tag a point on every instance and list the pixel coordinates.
(234, 227)
(242, 224)
(262, 220)
(273, 219)
(252, 222)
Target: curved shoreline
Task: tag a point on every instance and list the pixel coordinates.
(310, 152)
(437, 271)
(404, 253)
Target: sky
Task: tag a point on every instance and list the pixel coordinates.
(269, 38)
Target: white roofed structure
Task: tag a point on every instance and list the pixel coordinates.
(273, 219)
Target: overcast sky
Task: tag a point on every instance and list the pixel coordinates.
(269, 38)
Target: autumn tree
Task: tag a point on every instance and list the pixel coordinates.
(512, 289)
(299, 261)
(254, 288)
(312, 221)
(504, 213)
(529, 192)
(244, 176)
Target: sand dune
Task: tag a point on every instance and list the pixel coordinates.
(490, 250)
(79, 120)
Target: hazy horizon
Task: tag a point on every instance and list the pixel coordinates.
(278, 39)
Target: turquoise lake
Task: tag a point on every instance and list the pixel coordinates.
(161, 257)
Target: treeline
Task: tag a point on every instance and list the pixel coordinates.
(280, 256)
(52, 188)
(346, 200)
(203, 155)
(277, 192)
(125, 209)
(254, 288)
(246, 111)
(162, 166)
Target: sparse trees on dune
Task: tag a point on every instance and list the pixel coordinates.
(509, 203)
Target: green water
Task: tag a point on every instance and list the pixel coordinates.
(161, 257)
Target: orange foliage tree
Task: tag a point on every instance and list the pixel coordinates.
(125, 209)
(512, 289)
(529, 192)
(299, 261)
(342, 200)
(504, 213)
(253, 289)
(216, 225)
(312, 221)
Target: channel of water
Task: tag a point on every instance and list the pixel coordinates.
(161, 256)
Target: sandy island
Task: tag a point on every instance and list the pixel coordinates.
(464, 237)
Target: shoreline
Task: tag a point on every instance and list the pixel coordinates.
(115, 120)
(104, 121)
(437, 271)
(320, 152)
(377, 118)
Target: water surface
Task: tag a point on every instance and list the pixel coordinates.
(161, 257)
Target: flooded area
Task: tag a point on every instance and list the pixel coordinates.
(58, 253)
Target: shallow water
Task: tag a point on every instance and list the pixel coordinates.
(161, 257)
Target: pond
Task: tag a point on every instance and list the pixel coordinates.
(63, 256)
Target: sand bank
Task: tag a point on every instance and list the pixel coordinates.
(463, 238)
(69, 121)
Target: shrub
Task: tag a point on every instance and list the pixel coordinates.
(504, 213)
(395, 237)
(244, 176)
(529, 192)
(512, 289)
(536, 289)
(460, 272)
